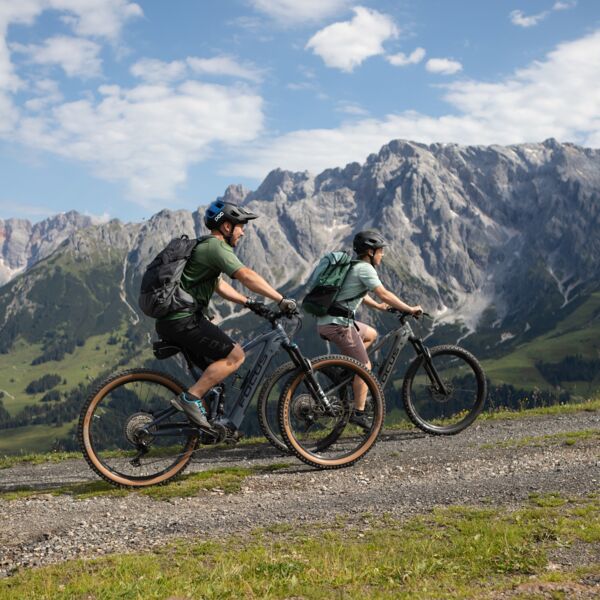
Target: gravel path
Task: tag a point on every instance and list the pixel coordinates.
(406, 473)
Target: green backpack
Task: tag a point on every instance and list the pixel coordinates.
(325, 284)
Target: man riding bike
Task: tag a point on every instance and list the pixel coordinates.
(209, 347)
(339, 326)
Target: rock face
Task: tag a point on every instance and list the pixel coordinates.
(512, 229)
(23, 244)
(469, 227)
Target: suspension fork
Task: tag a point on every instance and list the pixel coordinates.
(431, 371)
(311, 381)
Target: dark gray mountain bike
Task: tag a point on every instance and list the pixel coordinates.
(443, 392)
(131, 436)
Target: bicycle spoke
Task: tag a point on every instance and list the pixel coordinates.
(324, 432)
(449, 408)
(120, 438)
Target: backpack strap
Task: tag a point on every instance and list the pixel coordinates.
(337, 309)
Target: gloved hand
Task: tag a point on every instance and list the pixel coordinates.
(257, 307)
(288, 305)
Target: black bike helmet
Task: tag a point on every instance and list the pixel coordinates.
(220, 211)
(368, 240)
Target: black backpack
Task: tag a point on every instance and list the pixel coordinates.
(325, 284)
(161, 292)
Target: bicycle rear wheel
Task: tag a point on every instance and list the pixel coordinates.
(268, 405)
(449, 410)
(117, 438)
(325, 437)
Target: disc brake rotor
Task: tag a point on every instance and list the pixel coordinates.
(440, 397)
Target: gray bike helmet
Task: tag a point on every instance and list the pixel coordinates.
(220, 211)
(368, 240)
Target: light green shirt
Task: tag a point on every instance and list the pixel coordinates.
(361, 279)
(200, 277)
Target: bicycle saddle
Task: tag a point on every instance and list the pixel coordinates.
(162, 349)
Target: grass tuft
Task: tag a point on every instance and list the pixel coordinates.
(457, 552)
(226, 480)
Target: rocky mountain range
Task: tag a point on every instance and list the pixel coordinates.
(467, 227)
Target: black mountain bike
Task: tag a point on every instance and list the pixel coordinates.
(131, 436)
(443, 392)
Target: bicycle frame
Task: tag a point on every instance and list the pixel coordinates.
(271, 341)
(402, 335)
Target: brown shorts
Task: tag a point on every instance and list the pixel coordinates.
(348, 340)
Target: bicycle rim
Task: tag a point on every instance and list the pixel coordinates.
(452, 407)
(326, 438)
(117, 439)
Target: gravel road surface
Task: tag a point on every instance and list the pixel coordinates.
(406, 473)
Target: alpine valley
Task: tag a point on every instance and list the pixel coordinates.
(500, 244)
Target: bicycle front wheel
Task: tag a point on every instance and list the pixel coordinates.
(443, 395)
(327, 434)
(268, 405)
(117, 435)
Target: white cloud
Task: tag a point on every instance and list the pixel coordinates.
(517, 17)
(302, 86)
(402, 60)
(76, 56)
(47, 91)
(352, 108)
(224, 65)
(565, 5)
(157, 71)
(556, 97)
(293, 12)
(96, 18)
(147, 136)
(99, 219)
(443, 66)
(347, 44)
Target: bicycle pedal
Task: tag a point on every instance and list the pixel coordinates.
(233, 437)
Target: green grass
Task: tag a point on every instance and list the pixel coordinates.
(45, 456)
(399, 422)
(32, 438)
(456, 552)
(570, 438)
(84, 365)
(578, 333)
(591, 405)
(226, 480)
(33, 458)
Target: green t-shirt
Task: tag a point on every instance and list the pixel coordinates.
(209, 259)
(361, 279)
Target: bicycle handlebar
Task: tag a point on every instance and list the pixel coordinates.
(403, 314)
(274, 315)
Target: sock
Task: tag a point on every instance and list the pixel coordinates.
(189, 397)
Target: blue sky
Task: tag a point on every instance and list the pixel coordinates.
(118, 109)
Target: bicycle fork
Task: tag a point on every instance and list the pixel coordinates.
(431, 371)
(311, 381)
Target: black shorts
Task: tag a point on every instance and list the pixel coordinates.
(203, 341)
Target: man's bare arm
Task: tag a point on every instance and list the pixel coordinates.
(255, 283)
(395, 302)
(230, 293)
(368, 301)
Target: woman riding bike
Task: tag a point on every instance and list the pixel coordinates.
(339, 326)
